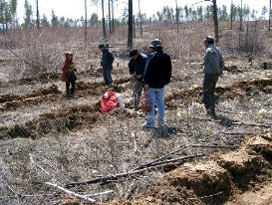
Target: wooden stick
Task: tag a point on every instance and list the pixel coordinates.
(252, 124)
(71, 193)
(100, 194)
(177, 150)
(126, 174)
(175, 160)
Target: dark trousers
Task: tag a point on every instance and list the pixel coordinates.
(68, 92)
(107, 76)
(137, 91)
(209, 84)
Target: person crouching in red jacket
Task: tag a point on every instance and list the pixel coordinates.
(69, 75)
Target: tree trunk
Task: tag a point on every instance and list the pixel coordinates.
(140, 18)
(130, 23)
(269, 15)
(241, 22)
(231, 14)
(109, 11)
(38, 15)
(112, 16)
(134, 27)
(177, 16)
(215, 21)
(86, 22)
(241, 16)
(103, 21)
(247, 32)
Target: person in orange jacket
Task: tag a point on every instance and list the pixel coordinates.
(69, 75)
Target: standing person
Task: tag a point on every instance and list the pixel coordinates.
(106, 63)
(68, 74)
(213, 65)
(157, 74)
(136, 69)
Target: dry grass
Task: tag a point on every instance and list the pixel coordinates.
(116, 143)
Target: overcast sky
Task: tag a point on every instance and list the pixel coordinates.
(75, 8)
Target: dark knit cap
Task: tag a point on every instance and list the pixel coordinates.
(133, 52)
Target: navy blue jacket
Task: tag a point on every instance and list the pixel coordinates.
(158, 70)
(107, 60)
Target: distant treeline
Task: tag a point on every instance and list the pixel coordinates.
(9, 19)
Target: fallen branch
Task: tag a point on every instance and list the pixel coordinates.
(160, 165)
(27, 196)
(71, 193)
(147, 164)
(100, 194)
(252, 124)
(239, 133)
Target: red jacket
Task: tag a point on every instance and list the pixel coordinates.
(67, 67)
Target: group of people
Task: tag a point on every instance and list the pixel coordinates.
(151, 73)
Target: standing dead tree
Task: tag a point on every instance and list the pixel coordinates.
(140, 17)
(103, 21)
(112, 16)
(37, 15)
(109, 16)
(241, 22)
(177, 16)
(231, 15)
(86, 22)
(215, 21)
(269, 16)
(130, 23)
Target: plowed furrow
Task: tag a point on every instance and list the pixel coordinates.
(77, 116)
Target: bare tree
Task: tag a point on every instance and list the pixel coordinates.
(177, 16)
(103, 20)
(215, 21)
(269, 15)
(86, 21)
(241, 22)
(231, 14)
(37, 15)
(130, 23)
(140, 17)
(241, 16)
(109, 16)
(112, 16)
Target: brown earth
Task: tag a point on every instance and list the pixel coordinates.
(239, 177)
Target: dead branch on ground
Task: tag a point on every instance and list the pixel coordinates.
(70, 192)
(160, 165)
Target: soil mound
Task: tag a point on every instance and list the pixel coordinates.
(217, 181)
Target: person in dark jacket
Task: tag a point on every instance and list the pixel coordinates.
(157, 74)
(213, 65)
(68, 74)
(106, 63)
(136, 69)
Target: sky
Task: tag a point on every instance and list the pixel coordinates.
(75, 8)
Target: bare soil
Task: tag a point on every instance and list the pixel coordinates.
(44, 137)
